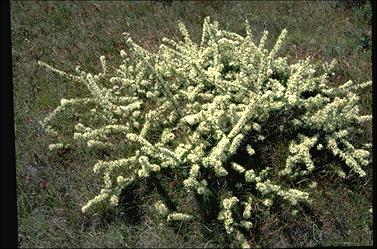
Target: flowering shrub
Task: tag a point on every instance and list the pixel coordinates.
(195, 108)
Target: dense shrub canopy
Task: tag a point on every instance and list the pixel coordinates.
(203, 110)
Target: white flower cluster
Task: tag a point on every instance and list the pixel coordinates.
(196, 106)
(179, 217)
(232, 226)
(161, 209)
(164, 212)
(225, 214)
(300, 154)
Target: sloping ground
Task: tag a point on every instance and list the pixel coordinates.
(52, 186)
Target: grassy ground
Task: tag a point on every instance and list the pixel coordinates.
(51, 187)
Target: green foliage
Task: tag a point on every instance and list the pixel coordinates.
(203, 111)
(351, 3)
(364, 42)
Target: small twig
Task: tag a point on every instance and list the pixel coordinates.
(289, 17)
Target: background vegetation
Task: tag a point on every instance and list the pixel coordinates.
(51, 187)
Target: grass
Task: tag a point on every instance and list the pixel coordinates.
(51, 187)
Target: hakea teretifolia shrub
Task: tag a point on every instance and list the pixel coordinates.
(197, 106)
